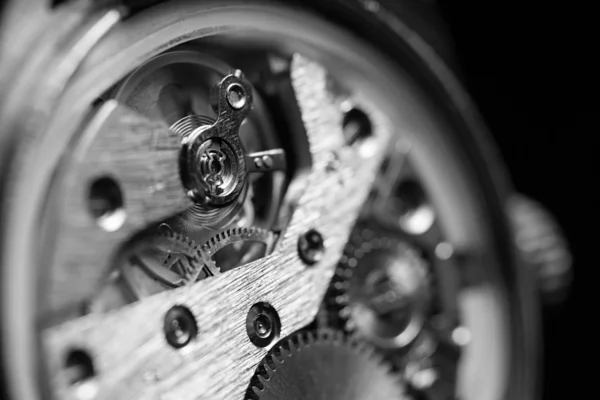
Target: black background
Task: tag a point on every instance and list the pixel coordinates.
(528, 67)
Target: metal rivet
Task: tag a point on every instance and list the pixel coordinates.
(180, 327)
(236, 96)
(311, 246)
(262, 324)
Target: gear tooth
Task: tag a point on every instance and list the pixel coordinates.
(257, 392)
(341, 285)
(342, 299)
(311, 338)
(351, 326)
(301, 340)
(338, 336)
(295, 342)
(268, 362)
(286, 352)
(340, 345)
(353, 340)
(345, 313)
(277, 354)
(270, 368)
(326, 335)
(263, 380)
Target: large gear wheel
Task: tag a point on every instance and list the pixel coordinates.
(324, 365)
(380, 291)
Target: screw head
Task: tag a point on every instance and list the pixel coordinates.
(262, 324)
(180, 327)
(236, 96)
(311, 247)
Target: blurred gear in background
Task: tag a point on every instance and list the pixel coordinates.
(324, 365)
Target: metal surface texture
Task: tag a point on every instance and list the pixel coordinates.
(324, 365)
(135, 351)
(142, 155)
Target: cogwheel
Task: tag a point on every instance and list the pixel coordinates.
(173, 259)
(154, 262)
(234, 236)
(381, 290)
(324, 365)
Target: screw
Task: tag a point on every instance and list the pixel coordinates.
(180, 327)
(236, 96)
(258, 162)
(262, 324)
(311, 247)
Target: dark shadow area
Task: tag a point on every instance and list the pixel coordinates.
(528, 67)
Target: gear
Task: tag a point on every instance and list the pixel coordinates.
(174, 260)
(177, 259)
(324, 365)
(240, 236)
(381, 290)
(155, 262)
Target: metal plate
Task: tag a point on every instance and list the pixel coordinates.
(142, 156)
